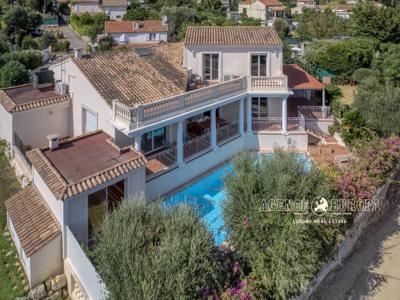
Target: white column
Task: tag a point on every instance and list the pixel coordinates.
(179, 143)
(213, 128)
(249, 116)
(284, 115)
(241, 117)
(138, 143)
(323, 105)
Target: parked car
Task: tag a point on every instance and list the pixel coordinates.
(36, 32)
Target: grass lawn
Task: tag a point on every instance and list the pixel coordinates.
(348, 93)
(13, 282)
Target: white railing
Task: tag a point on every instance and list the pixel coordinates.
(197, 145)
(263, 83)
(167, 158)
(132, 117)
(314, 112)
(86, 274)
(227, 131)
(275, 124)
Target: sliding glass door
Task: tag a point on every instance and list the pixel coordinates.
(210, 66)
(259, 65)
(153, 140)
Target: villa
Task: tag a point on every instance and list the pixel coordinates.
(114, 9)
(143, 122)
(265, 10)
(130, 32)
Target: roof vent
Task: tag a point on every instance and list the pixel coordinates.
(54, 141)
(143, 52)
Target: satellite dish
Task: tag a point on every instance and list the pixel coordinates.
(164, 20)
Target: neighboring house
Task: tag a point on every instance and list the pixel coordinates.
(301, 4)
(130, 32)
(145, 121)
(341, 10)
(265, 10)
(115, 9)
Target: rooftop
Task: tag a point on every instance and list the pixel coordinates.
(133, 79)
(34, 223)
(81, 163)
(25, 97)
(135, 26)
(299, 79)
(232, 35)
(265, 2)
(102, 2)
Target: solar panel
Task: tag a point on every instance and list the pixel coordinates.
(143, 51)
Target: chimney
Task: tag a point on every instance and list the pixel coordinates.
(164, 20)
(137, 25)
(78, 52)
(54, 141)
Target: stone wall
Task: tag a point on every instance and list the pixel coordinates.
(385, 197)
(54, 288)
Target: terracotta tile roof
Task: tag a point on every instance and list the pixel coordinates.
(33, 222)
(131, 27)
(232, 35)
(25, 97)
(113, 3)
(265, 2)
(83, 162)
(132, 79)
(300, 79)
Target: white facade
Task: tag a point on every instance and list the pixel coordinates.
(114, 12)
(233, 61)
(139, 37)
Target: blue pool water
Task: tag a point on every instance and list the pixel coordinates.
(206, 196)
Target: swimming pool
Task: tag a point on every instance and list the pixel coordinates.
(206, 196)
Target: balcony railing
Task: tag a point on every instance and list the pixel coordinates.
(133, 117)
(196, 146)
(161, 161)
(262, 83)
(275, 124)
(227, 132)
(314, 112)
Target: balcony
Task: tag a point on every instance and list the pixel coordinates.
(196, 146)
(262, 83)
(130, 118)
(227, 132)
(160, 162)
(275, 124)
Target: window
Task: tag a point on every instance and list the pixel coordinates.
(152, 36)
(245, 11)
(259, 107)
(89, 121)
(101, 202)
(259, 65)
(153, 140)
(210, 66)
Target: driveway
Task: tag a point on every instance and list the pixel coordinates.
(373, 270)
(74, 40)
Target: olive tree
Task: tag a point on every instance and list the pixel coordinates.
(151, 252)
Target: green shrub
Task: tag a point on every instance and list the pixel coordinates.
(31, 59)
(47, 39)
(354, 129)
(28, 42)
(13, 73)
(283, 255)
(362, 74)
(105, 43)
(151, 252)
(61, 46)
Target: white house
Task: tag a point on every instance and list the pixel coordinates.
(147, 120)
(265, 10)
(115, 9)
(131, 32)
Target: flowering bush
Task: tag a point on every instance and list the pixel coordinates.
(361, 180)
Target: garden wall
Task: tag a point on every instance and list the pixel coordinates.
(385, 198)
